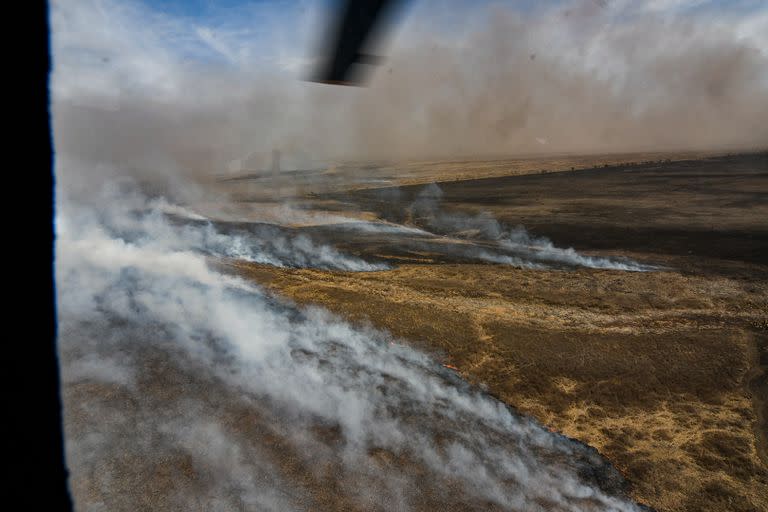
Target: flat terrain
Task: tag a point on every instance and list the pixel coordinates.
(265, 185)
(663, 372)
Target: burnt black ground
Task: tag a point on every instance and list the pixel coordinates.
(637, 219)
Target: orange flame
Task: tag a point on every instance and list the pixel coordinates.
(450, 366)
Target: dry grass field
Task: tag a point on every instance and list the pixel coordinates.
(663, 372)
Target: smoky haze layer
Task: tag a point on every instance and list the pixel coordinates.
(577, 81)
(575, 78)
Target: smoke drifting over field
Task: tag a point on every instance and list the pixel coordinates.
(131, 291)
(512, 246)
(228, 398)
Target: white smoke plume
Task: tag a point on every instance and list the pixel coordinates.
(511, 246)
(133, 220)
(136, 290)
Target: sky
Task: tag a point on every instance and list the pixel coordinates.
(219, 81)
(276, 35)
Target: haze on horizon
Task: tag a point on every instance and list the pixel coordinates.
(191, 88)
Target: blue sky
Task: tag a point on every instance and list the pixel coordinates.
(202, 10)
(229, 29)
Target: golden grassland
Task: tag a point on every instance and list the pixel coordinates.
(662, 372)
(651, 369)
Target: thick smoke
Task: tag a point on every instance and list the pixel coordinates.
(133, 219)
(578, 77)
(132, 292)
(581, 77)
